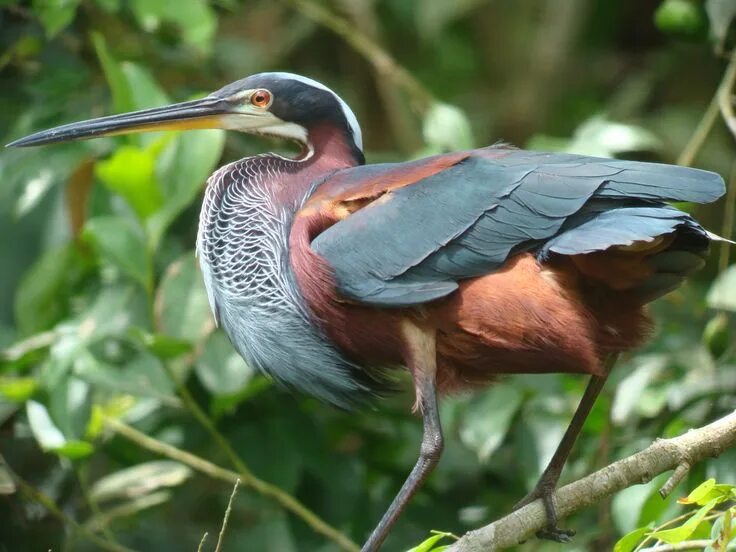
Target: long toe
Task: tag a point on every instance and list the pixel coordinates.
(556, 534)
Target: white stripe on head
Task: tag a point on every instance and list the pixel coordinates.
(349, 115)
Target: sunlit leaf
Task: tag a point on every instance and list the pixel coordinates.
(220, 369)
(121, 242)
(707, 491)
(429, 544)
(600, 137)
(722, 294)
(75, 449)
(679, 534)
(447, 128)
(47, 435)
(18, 389)
(487, 419)
(140, 480)
(55, 15)
(130, 173)
(679, 17)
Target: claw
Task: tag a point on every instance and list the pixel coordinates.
(556, 534)
(552, 531)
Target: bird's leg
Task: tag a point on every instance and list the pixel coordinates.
(548, 481)
(423, 365)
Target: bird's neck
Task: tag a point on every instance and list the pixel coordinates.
(331, 148)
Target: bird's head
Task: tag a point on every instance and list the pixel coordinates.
(282, 105)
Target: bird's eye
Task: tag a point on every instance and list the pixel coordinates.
(261, 98)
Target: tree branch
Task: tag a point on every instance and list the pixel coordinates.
(661, 456)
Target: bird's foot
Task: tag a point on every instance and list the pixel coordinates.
(551, 531)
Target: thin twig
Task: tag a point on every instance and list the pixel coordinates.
(729, 214)
(684, 545)
(725, 94)
(221, 536)
(283, 498)
(382, 61)
(677, 476)
(55, 510)
(695, 144)
(200, 548)
(33, 343)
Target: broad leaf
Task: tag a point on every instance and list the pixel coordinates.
(220, 369)
(120, 242)
(487, 419)
(130, 173)
(140, 480)
(182, 308)
(722, 294)
(679, 534)
(182, 171)
(55, 15)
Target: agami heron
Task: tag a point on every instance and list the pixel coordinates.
(460, 267)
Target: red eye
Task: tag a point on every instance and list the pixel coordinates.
(261, 98)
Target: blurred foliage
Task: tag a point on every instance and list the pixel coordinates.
(103, 313)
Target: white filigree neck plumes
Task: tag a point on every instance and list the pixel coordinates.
(243, 251)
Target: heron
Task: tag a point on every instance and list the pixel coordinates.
(326, 272)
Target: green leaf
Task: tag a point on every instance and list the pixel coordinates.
(18, 389)
(707, 491)
(679, 534)
(182, 307)
(121, 94)
(195, 19)
(55, 15)
(679, 17)
(722, 294)
(428, 545)
(162, 346)
(182, 170)
(628, 396)
(69, 406)
(628, 542)
(120, 242)
(74, 450)
(141, 376)
(48, 436)
(220, 369)
(721, 14)
(447, 128)
(130, 172)
(488, 418)
(41, 298)
(140, 480)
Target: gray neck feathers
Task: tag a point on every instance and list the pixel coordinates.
(243, 251)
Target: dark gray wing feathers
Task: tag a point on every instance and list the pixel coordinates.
(415, 243)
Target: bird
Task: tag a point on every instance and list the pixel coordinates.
(328, 273)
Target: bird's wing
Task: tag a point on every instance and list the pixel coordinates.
(405, 234)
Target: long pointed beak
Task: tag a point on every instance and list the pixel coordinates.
(205, 113)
